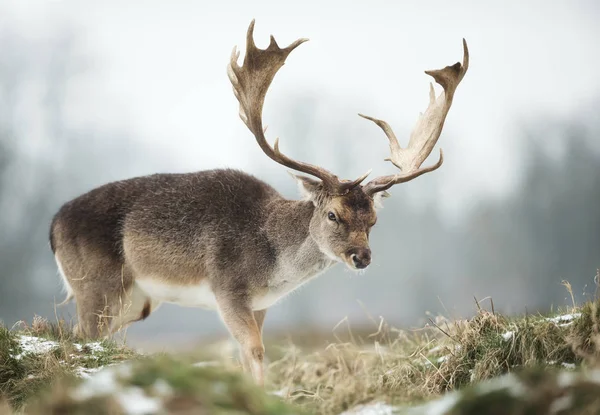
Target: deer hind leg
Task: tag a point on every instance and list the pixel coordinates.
(93, 314)
(101, 285)
(241, 323)
(134, 306)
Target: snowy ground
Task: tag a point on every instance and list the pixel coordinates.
(103, 381)
(134, 400)
(32, 345)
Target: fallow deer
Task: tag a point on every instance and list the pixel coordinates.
(223, 239)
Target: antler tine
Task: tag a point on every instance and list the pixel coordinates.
(250, 84)
(426, 132)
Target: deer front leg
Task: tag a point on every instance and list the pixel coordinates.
(243, 326)
(259, 316)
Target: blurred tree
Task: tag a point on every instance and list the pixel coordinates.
(548, 230)
(44, 161)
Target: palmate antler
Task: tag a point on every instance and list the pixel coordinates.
(250, 83)
(426, 132)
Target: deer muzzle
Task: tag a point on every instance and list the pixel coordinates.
(360, 257)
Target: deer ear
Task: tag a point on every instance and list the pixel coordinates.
(309, 188)
(378, 199)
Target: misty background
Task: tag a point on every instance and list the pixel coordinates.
(92, 92)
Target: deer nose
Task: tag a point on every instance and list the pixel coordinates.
(361, 257)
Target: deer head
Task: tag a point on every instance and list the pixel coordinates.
(344, 210)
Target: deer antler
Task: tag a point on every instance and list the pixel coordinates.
(250, 83)
(426, 132)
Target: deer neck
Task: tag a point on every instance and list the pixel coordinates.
(299, 256)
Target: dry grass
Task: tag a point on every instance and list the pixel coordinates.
(402, 367)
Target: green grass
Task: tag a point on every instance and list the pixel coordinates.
(170, 385)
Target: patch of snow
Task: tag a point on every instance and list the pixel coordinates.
(594, 376)
(86, 372)
(442, 359)
(162, 388)
(561, 404)
(509, 382)
(34, 345)
(565, 319)
(132, 399)
(565, 379)
(206, 364)
(375, 408)
(102, 383)
(437, 407)
(508, 335)
(135, 401)
(568, 365)
(94, 347)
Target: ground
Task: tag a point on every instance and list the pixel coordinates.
(490, 363)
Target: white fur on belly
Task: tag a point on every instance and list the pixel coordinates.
(262, 302)
(199, 295)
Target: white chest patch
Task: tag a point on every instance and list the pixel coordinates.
(199, 295)
(262, 302)
(286, 280)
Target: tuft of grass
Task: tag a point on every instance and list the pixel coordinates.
(490, 345)
(33, 356)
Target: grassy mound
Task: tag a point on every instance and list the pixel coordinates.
(534, 391)
(157, 385)
(32, 357)
(44, 369)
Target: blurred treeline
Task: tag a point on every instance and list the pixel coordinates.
(517, 248)
(44, 160)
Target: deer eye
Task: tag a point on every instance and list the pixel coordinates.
(331, 216)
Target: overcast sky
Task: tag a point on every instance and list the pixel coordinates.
(157, 68)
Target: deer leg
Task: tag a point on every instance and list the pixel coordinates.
(259, 316)
(93, 317)
(131, 307)
(241, 323)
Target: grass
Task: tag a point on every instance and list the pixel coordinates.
(161, 384)
(44, 369)
(398, 367)
(32, 357)
(406, 368)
